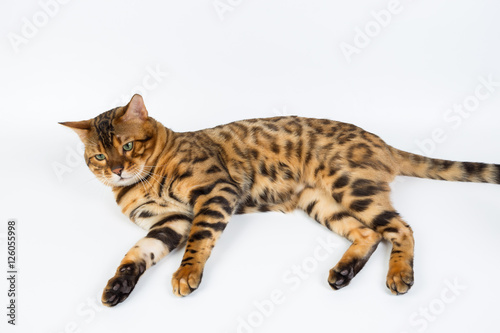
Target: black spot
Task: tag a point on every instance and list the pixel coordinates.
(310, 207)
(170, 218)
(162, 184)
(213, 169)
(473, 168)
(200, 159)
(240, 129)
(390, 229)
(219, 226)
(200, 235)
(249, 202)
(196, 193)
(263, 169)
(288, 174)
(173, 196)
(187, 259)
(360, 205)
(308, 157)
(229, 190)
(152, 256)
(339, 216)
(265, 195)
(254, 153)
(332, 171)
(298, 149)
(264, 208)
(445, 165)
(133, 212)
(384, 218)
(321, 167)
(227, 136)
(168, 236)
(338, 196)
(272, 172)
(221, 201)
(210, 212)
(313, 139)
(345, 137)
(145, 214)
(275, 148)
(497, 175)
(288, 149)
(272, 127)
(341, 182)
(122, 193)
(365, 188)
(239, 152)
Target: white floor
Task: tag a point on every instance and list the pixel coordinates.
(424, 75)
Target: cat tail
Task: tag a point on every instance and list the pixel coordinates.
(424, 167)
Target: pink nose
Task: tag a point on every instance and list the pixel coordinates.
(118, 171)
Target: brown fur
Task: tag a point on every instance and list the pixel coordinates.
(184, 187)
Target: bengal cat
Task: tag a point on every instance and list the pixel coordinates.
(184, 187)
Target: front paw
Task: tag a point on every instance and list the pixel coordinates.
(186, 280)
(340, 276)
(122, 284)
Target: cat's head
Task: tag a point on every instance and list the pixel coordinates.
(119, 143)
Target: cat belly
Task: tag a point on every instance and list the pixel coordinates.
(265, 199)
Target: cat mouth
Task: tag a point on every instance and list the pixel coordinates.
(125, 181)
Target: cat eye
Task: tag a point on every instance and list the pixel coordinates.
(100, 157)
(128, 146)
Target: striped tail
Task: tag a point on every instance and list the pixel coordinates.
(424, 167)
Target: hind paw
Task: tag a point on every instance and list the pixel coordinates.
(400, 280)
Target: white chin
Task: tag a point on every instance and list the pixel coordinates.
(119, 181)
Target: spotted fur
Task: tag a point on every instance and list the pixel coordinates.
(183, 188)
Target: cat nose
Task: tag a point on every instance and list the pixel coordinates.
(117, 170)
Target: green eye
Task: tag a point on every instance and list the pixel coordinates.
(128, 146)
(100, 157)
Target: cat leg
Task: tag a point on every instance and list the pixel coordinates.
(320, 205)
(164, 236)
(213, 205)
(369, 202)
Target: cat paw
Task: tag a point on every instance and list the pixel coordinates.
(121, 285)
(186, 280)
(400, 279)
(340, 276)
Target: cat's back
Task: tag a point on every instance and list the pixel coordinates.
(287, 137)
(280, 147)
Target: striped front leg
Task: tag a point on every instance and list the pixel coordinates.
(164, 236)
(213, 206)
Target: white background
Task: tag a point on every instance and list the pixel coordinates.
(260, 59)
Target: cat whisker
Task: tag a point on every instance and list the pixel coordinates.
(144, 180)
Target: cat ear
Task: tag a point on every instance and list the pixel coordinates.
(135, 109)
(82, 128)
